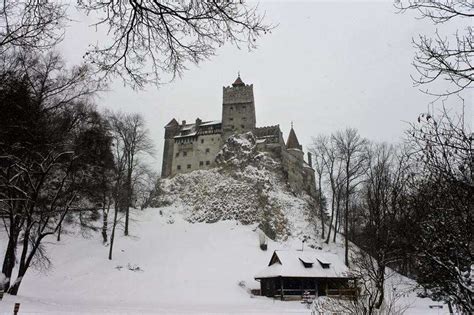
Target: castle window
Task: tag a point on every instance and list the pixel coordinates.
(233, 127)
(207, 162)
(242, 126)
(178, 167)
(202, 140)
(185, 153)
(244, 118)
(201, 163)
(189, 166)
(177, 154)
(231, 108)
(244, 107)
(231, 118)
(208, 150)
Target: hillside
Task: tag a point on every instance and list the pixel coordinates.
(185, 268)
(247, 186)
(195, 252)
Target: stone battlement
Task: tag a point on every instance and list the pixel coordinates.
(238, 94)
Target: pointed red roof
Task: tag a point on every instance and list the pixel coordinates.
(238, 82)
(292, 142)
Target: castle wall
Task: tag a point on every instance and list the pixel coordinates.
(170, 131)
(194, 153)
(292, 160)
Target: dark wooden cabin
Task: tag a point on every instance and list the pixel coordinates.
(290, 274)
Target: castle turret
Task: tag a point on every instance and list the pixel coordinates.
(171, 129)
(292, 142)
(293, 146)
(238, 109)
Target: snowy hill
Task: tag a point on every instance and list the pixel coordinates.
(184, 268)
(195, 252)
(248, 186)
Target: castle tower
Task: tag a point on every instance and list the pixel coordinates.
(171, 129)
(295, 149)
(238, 109)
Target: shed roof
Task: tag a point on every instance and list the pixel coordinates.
(291, 263)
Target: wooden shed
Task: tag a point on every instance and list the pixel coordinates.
(291, 273)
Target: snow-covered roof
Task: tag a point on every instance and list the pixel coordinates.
(305, 264)
(213, 122)
(192, 130)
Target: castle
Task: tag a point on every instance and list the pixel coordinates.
(193, 146)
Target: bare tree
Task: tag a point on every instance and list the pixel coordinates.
(443, 203)
(143, 184)
(368, 278)
(119, 172)
(439, 58)
(131, 132)
(39, 96)
(52, 173)
(30, 24)
(328, 152)
(351, 150)
(317, 150)
(163, 37)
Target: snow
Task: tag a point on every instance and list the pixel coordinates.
(291, 266)
(212, 122)
(197, 252)
(187, 268)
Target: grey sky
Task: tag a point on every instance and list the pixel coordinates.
(327, 66)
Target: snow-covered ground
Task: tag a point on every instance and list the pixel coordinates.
(185, 268)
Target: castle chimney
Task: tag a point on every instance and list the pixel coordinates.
(184, 123)
(198, 122)
(310, 160)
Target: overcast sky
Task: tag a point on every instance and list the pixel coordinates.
(327, 66)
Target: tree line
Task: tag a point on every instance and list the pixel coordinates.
(61, 159)
(408, 207)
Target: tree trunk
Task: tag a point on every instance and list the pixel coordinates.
(321, 210)
(10, 254)
(380, 286)
(330, 221)
(26, 258)
(16, 285)
(9, 259)
(346, 224)
(105, 217)
(112, 236)
(59, 234)
(129, 196)
(338, 219)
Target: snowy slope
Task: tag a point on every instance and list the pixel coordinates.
(186, 268)
(196, 252)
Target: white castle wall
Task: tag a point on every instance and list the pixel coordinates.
(189, 155)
